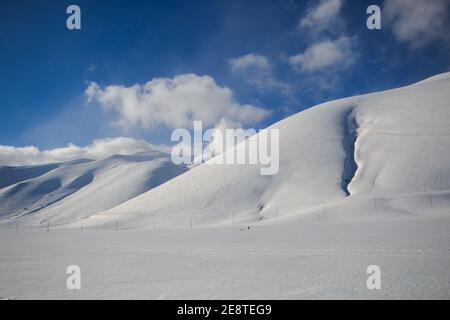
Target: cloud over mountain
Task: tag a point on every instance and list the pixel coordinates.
(336, 54)
(418, 22)
(173, 102)
(99, 148)
(258, 71)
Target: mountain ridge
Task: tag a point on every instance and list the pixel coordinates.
(388, 154)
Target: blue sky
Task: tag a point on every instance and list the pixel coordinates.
(46, 68)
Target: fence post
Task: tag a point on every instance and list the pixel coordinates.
(375, 204)
(431, 200)
(48, 225)
(191, 222)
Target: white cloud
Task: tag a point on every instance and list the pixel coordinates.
(418, 22)
(322, 16)
(249, 61)
(257, 70)
(98, 149)
(174, 102)
(325, 55)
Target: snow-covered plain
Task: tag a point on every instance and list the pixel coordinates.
(314, 259)
(363, 181)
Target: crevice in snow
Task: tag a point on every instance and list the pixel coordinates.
(349, 140)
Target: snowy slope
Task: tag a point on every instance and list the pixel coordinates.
(13, 174)
(388, 150)
(75, 190)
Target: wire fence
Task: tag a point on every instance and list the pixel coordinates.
(363, 205)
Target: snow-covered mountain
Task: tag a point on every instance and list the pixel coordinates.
(383, 152)
(74, 190)
(386, 151)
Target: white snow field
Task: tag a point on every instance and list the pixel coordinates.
(362, 181)
(317, 259)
